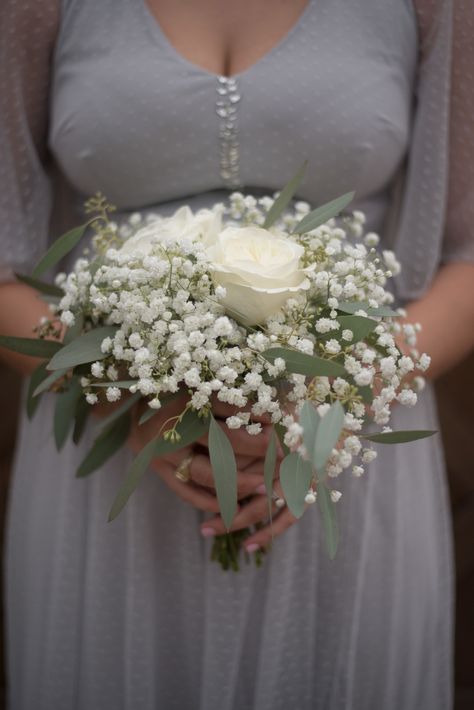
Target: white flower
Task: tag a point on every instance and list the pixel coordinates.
(369, 455)
(357, 471)
(332, 347)
(407, 397)
(91, 398)
(67, 317)
(325, 325)
(424, 362)
(254, 429)
(97, 369)
(205, 225)
(113, 394)
(335, 496)
(259, 269)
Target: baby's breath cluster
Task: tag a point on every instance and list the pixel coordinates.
(200, 301)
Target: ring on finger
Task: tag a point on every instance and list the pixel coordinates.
(183, 472)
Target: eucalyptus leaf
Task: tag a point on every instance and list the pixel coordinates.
(51, 378)
(398, 437)
(327, 436)
(367, 394)
(354, 306)
(309, 420)
(224, 470)
(121, 384)
(86, 348)
(361, 327)
(323, 214)
(64, 411)
(191, 428)
(41, 286)
(35, 380)
(269, 469)
(295, 478)
(83, 410)
(280, 432)
(328, 512)
(285, 197)
(75, 330)
(125, 406)
(148, 414)
(109, 441)
(35, 347)
(300, 363)
(60, 248)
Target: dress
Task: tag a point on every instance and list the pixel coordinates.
(132, 615)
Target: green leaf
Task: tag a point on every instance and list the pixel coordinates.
(121, 384)
(303, 364)
(64, 411)
(280, 432)
(269, 469)
(191, 428)
(35, 347)
(295, 478)
(327, 436)
(285, 197)
(323, 214)
(309, 420)
(328, 512)
(224, 470)
(75, 330)
(32, 400)
(84, 349)
(109, 441)
(117, 413)
(398, 437)
(41, 286)
(60, 248)
(354, 306)
(48, 381)
(360, 326)
(147, 415)
(83, 410)
(366, 393)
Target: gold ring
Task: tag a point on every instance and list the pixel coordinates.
(183, 472)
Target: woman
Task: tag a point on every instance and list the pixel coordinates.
(132, 615)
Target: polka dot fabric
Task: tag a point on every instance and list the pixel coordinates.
(132, 615)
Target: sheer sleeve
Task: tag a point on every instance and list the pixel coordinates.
(434, 200)
(459, 234)
(27, 33)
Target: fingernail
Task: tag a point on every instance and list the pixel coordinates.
(261, 490)
(208, 532)
(252, 547)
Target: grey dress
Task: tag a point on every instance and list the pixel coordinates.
(132, 615)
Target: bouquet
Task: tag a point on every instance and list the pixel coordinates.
(276, 309)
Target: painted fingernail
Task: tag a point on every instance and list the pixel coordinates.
(261, 490)
(252, 547)
(208, 532)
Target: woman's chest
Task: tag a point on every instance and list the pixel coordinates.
(134, 118)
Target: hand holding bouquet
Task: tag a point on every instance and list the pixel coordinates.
(279, 311)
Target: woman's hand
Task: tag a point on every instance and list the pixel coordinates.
(199, 491)
(255, 511)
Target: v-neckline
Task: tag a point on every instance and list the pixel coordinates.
(177, 56)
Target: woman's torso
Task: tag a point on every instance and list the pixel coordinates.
(132, 117)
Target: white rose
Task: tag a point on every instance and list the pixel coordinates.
(205, 225)
(259, 269)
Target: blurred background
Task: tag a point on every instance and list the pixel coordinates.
(456, 409)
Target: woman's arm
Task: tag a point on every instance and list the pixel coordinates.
(27, 36)
(446, 314)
